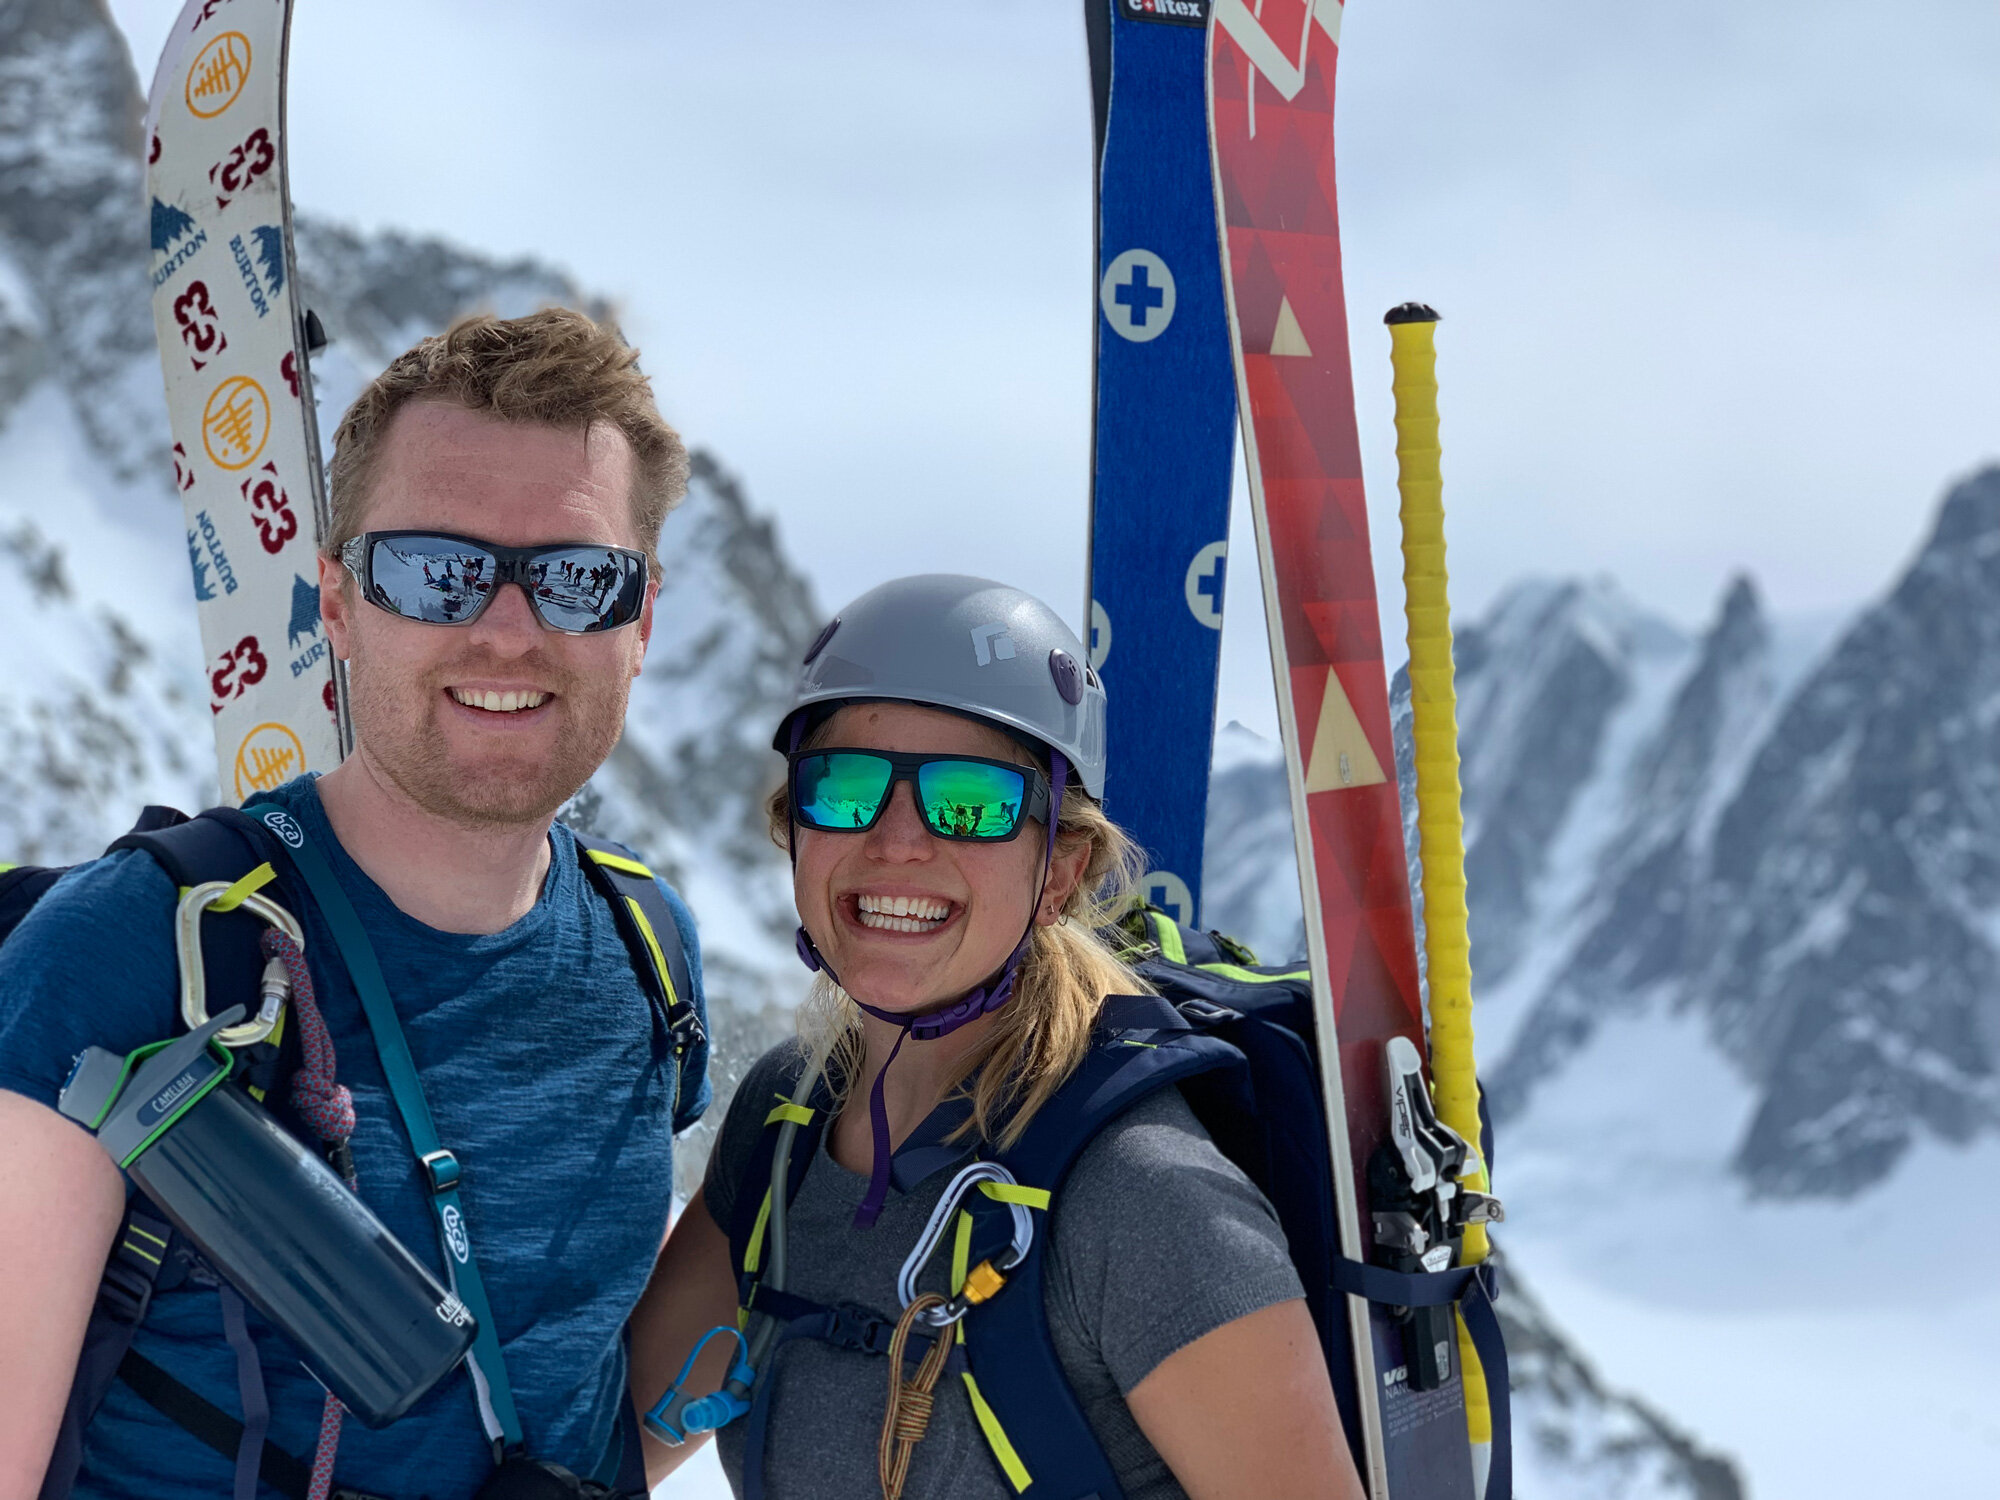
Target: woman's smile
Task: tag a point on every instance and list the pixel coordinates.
(916, 916)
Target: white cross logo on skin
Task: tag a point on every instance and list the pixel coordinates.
(1100, 634)
(1137, 295)
(1203, 584)
(1166, 890)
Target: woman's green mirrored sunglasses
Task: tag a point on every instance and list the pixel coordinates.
(959, 796)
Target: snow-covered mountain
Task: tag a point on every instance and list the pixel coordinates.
(101, 702)
(1797, 841)
(1735, 928)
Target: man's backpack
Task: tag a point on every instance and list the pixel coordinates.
(224, 844)
(1238, 1039)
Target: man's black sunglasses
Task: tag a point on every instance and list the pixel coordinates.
(575, 587)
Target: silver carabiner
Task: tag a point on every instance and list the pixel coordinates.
(968, 1178)
(194, 982)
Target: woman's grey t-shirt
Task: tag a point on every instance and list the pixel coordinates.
(1157, 1239)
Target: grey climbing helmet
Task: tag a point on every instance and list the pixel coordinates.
(966, 644)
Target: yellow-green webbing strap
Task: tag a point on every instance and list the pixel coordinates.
(1440, 822)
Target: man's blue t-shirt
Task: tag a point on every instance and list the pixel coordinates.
(549, 1077)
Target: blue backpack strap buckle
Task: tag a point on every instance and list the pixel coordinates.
(441, 1169)
(1208, 1013)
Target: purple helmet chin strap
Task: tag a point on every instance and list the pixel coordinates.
(931, 1025)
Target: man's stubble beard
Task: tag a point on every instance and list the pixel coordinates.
(403, 738)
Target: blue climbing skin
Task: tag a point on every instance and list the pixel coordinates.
(1165, 435)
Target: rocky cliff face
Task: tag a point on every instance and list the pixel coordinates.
(1802, 852)
(1846, 947)
(73, 305)
(1814, 873)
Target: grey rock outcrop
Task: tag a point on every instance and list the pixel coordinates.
(1853, 892)
(1809, 863)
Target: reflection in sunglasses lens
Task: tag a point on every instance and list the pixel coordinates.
(965, 799)
(841, 791)
(428, 578)
(959, 799)
(586, 588)
(444, 582)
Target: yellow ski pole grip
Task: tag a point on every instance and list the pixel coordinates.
(1440, 820)
(1433, 703)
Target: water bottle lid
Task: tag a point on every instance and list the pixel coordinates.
(151, 1089)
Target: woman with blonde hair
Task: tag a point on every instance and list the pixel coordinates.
(963, 1236)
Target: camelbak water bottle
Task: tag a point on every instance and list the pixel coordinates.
(369, 1321)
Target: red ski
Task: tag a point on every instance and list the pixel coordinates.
(1270, 94)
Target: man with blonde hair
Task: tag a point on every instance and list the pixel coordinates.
(489, 576)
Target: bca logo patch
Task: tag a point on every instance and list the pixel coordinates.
(285, 827)
(454, 1234)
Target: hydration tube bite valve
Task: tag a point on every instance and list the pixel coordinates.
(676, 1416)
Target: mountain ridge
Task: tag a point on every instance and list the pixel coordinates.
(1801, 851)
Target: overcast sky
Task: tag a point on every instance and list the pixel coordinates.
(1721, 282)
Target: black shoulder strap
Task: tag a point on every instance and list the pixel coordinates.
(21, 886)
(753, 1193)
(223, 844)
(192, 851)
(1030, 1417)
(194, 1414)
(123, 1296)
(647, 924)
